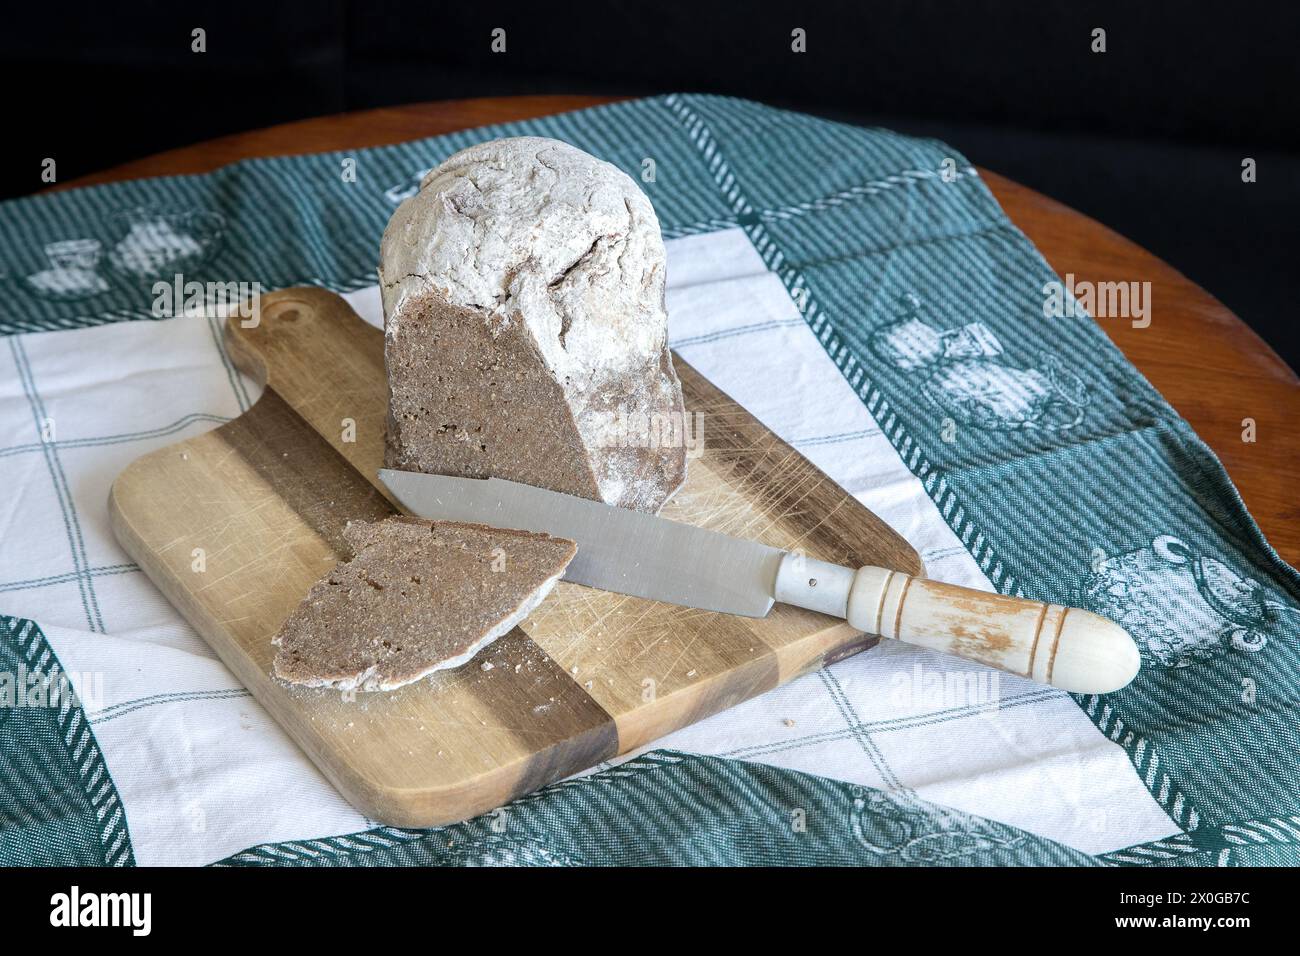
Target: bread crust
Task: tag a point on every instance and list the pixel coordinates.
(525, 327)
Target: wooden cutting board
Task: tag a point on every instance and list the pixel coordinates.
(235, 525)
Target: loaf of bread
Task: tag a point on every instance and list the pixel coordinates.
(416, 597)
(525, 329)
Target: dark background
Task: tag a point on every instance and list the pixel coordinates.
(1147, 137)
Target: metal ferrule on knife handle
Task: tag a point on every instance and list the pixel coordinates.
(1072, 649)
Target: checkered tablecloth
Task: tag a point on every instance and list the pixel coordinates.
(863, 295)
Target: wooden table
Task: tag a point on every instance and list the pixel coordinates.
(1202, 358)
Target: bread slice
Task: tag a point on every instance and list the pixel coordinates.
(525, 327)
(417, 596)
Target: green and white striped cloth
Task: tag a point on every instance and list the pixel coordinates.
(864, 295)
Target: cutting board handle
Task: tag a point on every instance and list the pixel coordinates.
(1066, 647)
(310, 347)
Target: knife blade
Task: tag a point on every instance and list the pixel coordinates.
(618, 550)
(651, 557)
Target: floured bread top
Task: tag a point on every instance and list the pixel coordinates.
(417, 597)
(531, 229)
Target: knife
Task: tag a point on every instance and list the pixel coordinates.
(650, 557)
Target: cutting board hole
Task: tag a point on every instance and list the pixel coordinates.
(290, 311)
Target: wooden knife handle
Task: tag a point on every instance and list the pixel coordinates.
(1066, 647)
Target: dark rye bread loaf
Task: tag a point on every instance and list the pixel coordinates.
(416, 597)
(525, 328)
